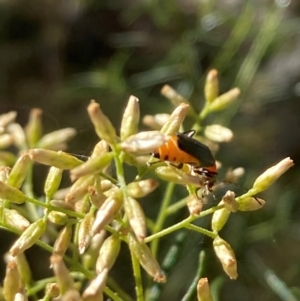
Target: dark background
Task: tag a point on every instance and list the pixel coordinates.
(57, 55)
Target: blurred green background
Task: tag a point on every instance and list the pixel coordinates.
(58, 55)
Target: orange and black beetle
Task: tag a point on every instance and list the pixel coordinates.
(182, 149)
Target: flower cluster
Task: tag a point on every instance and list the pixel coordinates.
(99, 211)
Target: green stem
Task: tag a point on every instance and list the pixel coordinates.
(111, 294)
(201, 230)
(183, 224)
(162, 216)
(138, 278)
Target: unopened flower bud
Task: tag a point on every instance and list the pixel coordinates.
(107, 212)
(6, 119)
(227, 257)
(24, 269)
(12, 194)
(101, 148)
(172, 174)
(79, 189)
(58, 218)
(63, 277)
(5, 140)
(15, 220)
(17, 132)
(194, 204)
(136, 217)
(21, 295)
(108, 253)
(58, 159)
(52, 290)
(203, 290)
(4, 173)
(211, 87)
(19, 171)
(173, 124)
(52, 181)
(232, 175)
(224, 100)
(91, 255)
(55, 139)
(142, 188)
(85, 232)
(62, 204)
(104, 128)
(146, 259)
(94, 292)
(92, 166)
(11, 283)
(131, 118)
(250, 204)
(97, 197)
(144, 142)
(29, 237)
(155, 122)
(218, 133)
(219, 218)
(230, 202)
(63, 241)
(175, 98)
(34, 127)
(272, 174)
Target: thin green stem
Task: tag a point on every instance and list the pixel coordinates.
(111, 294)
(201, 230)
(162, 216)
(183, 223)
(138, 278)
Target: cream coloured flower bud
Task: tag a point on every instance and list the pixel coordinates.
(94, 292)
(57, 138)
(21, 295)
(250, 203)
(142, 188)
(104, 128)
(5, 140)
(232, 175)
(108, 254)
(219, 218)
(218, 133)
(11, 283)
(6, 119)
(146, 259)
(12, 194)
(15, 220)
(19, 171)
(107, 212)
(144, 142)
(230, 202)
(17, 132)
(203, 290)
(29, 237)
(79, 188)
(173, 124)
(156, 121)
(101, 148)
(175, 98)
(92, 166)
(227, 257)
(7, 158)
(52, 290)
(136, 217)
(63, 240)
(58, 159)
(224, 100)
(131, 118)
(58, 218)
(211, 87)
(62, 204)
(62, 274)
(34, 127)
(85, 232)
(91, 255)
(194, 204)
(52, 181)
(272, 174)
(97, 197)
(178, 176)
